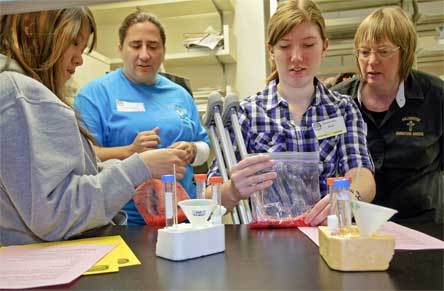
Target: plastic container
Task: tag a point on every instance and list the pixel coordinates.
(332, 219)
(332, 193)
(216, 182)
(200, 180)
(342, 192)
(168, 191)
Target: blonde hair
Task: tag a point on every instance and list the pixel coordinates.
(393, 24)
(287, 15)
(38, 40)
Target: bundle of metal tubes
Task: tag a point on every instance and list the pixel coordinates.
(221, 115)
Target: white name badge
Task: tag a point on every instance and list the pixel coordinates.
(124, 106)
(329, 127)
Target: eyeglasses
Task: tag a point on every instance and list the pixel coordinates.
(382, 52)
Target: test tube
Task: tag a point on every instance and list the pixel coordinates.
(167, 185)
(216, 182)
(200, 180)
(332, 194)
(342, 189)
(332, 219)
(176, 221)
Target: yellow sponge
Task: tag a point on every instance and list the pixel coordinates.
(352, 252)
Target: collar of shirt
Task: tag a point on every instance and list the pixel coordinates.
(269, 116)
(271, 99)
(9, 64)
(400, 96)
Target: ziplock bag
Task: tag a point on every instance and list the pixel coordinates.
(150, 202)
(293, 192)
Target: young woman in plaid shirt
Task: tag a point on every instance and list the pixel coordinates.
(286, 115)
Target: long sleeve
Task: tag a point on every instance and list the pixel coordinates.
(352, 150)
(51, 186)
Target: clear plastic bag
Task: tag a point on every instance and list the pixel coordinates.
(150, 202)
(294, 191)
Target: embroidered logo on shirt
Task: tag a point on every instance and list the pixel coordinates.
(182, 112)
(410, 122)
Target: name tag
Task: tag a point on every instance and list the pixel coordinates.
(124, 106)
(329, 127)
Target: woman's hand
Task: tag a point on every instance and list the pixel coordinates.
(245, 180)
(188, 147)
(318, 214)
(246, 177)
(161, 161)
(145, 140)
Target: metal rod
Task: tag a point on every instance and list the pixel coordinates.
(217, 151)
(243, 153)
(238, 134)
(221, 165)
(221, 133)
(243, 216)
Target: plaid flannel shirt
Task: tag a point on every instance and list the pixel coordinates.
(267, 126)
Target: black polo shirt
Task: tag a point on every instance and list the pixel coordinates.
(407, 145)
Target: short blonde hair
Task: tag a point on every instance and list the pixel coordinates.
(393, 24)
(287, 15)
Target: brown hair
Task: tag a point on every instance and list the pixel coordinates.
(393, 24)
(140, 17)
(287, 15)
(38, 40)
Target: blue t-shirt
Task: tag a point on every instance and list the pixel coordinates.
(114, 110)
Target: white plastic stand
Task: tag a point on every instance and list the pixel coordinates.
(182, 241)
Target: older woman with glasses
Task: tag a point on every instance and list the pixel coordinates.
(404, 110)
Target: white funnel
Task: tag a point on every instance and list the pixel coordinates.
(198, 210)
(369, 217)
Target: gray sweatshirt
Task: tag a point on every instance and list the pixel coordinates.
(50, 188)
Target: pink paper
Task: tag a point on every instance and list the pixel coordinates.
(311, 232)
(409, 239)
(405, 238)
(29, 266)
